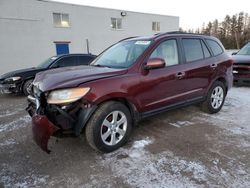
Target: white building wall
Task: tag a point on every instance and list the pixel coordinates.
(27, 33)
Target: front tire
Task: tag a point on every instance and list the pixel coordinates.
(27, 86)
(215, 98)
(109, 127)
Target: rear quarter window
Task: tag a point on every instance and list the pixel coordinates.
(215, 47)
(205, 50)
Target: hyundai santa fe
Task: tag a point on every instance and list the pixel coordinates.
(133, 79)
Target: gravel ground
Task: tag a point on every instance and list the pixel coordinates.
(181, 148)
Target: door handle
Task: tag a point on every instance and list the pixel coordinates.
(180, 75)
(213, 65)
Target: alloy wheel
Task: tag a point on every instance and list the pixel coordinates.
(29, 88)
(114, 128)
(217, 97)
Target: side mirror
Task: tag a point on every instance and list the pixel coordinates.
(155, 63)
(234, 53)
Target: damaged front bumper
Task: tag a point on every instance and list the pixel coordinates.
(55, 120)
(42, 130)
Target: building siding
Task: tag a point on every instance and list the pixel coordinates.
(27, 32)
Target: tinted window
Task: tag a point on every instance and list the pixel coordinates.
(193, 49)
(205, 50)
(67, 61)
(47, 62)
(167, 50)
(215, 47)
(84, 60)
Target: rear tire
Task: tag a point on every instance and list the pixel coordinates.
(215, 98)
(109, 128)
(27, 86)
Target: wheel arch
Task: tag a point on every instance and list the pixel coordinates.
(132, 108)
(221, 79)
(224, 81)
(26, 79)
(206, 104)
(135, 115)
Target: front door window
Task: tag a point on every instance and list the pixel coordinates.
(168, 51)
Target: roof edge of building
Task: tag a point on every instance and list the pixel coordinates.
(96, 7)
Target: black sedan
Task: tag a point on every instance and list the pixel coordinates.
(20, 81)
(241, 68)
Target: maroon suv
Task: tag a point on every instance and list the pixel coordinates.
(133, 79)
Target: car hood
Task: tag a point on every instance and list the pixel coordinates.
(241, 59)
(72, 76)
(20, 72)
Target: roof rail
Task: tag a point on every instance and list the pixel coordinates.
(172, 32)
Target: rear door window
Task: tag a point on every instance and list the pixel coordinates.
(215, 47)
(193, 49)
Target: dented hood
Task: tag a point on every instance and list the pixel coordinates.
(72, 76)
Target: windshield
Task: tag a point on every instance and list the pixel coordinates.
(245, 50)
(122, 54)
(47, 63)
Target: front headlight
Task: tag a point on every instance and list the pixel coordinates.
(63, 96)
(15, 78)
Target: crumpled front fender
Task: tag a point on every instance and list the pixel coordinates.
(42, 130)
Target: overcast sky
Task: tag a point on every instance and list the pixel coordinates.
(192, 13)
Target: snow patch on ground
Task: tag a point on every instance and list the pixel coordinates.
(98, 181)
(234, 116)
(9, 178)
(140, 168)
(244, 144)
(8, 142)
(180, 124)
(10, 113)
(137, 149)
(17, 124)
